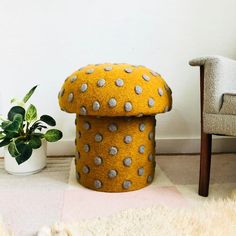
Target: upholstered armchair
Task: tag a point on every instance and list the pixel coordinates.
(218, 107)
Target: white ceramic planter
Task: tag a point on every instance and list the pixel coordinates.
(34, 164)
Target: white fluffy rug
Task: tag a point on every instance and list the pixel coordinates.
(207, 218)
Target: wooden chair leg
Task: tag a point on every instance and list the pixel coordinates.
(205, 164)
(206, 143)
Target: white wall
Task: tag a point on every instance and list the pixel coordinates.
(42, 42)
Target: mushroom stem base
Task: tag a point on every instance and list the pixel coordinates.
(115, 154)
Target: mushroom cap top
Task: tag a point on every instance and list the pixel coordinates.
(115, 90)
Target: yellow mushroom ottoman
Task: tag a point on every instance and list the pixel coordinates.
(115, 124)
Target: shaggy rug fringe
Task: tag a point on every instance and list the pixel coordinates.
(207, 218)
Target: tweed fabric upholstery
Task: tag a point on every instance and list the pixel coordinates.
(219, 124)
(219, 105)
(219, 78)
(229, 104)
(115, 123)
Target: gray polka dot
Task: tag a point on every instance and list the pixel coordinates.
(78, 134)
(138, 90)
(128, 106)
(98, 138)
(127, 184)
(112, 102)
(145, 77)
(141, 149)
(166, 108)
(127, 161)
(70, 97)
(101, 82)
(160, 91)
(83, 88)
(96, 106)
(113, 151)
(112, 173)
(151, 135)
(86, 169)
(140, 171)
(86, 125)
(90, 71)
(128, 139)
(77, 155)
(166, 87)
(150, 157)
(86, 147)
(83, 111)
(119, 82)
(142, 127)
(61, 93)
(108, 68)
(128, 70)
(112, 127)
(151, 102)
(97, 160)
(73, 78)
(81, 68)
(97, 183)
(149, 179)
(154, 73)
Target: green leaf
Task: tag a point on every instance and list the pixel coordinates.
(5, 142)
(35, 142)
(39, 135)
(5, 124)
(18, 118)
(2, 135)
(15, 125)
(10, 135)
(29, 94)
(48, 120)
(25, 151)
(15, 110)
(31, 113)
(53, 135)
(37, 125)
(13, 150)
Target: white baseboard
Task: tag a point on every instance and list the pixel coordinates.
(163, 146)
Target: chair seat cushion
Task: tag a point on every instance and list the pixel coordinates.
(229, 103)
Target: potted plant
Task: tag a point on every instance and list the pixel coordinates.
(23, 138)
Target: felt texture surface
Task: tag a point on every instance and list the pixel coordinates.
(92, 87)
(125, 126)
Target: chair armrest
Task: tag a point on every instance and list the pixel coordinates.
(219, 78)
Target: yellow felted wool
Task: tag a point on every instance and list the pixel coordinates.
(115, 155)
(115, 106)
(139, 86)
